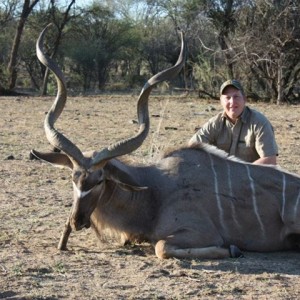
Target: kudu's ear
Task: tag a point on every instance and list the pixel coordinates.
(122, 178)
(54, 158)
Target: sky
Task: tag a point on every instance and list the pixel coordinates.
(78, 2)
(83, 2)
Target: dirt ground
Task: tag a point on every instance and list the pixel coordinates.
(35, 200)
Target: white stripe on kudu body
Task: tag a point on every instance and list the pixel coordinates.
(283, 195)
(216, 186)
(296, 207)
(254, 201)
(234, 215)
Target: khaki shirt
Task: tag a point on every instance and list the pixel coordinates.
(251, 137)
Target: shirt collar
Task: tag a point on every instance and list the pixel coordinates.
(243, 117)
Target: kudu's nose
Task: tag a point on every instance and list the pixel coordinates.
(79, 222)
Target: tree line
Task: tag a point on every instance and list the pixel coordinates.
(119, 44)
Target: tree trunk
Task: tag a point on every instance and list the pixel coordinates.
(12, 64)
(56, 43)
(279, 80)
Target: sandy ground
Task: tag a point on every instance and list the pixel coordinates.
(35, 200)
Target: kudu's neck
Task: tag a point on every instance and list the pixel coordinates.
(124, 211)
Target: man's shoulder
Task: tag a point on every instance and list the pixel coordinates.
(256, 116)
(217, 118)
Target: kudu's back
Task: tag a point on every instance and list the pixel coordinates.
(255, 207)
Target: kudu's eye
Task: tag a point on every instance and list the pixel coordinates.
(99, 178)
(76, 175)
(100, 181)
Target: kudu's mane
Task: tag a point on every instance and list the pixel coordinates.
(213, 150)
(206, 148)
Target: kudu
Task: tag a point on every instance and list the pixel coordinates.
(194, 202)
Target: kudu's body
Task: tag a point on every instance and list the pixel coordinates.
(194, 202)
(198, 198)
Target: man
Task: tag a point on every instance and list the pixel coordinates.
(239, 130)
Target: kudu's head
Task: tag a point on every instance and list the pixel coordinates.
(90, 171)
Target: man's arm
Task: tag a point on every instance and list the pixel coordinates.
(204, 135)
(268, 160)
(266, 145)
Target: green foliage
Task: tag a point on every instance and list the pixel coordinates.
(120, 44)
(95, 41)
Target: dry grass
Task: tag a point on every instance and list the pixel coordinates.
(36, 199)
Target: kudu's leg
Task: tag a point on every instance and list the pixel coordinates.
(62, 245)
(165, 250)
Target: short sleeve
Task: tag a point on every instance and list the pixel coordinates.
(205, 134)
(265, 142)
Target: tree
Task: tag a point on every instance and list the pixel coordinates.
(12, 64)
(103, 37)
(124, 42)
(7, 9)
(59, 19)
(269, 48)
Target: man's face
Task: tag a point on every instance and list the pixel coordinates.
(233, 102)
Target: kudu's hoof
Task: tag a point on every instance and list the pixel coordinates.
(235, 252)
